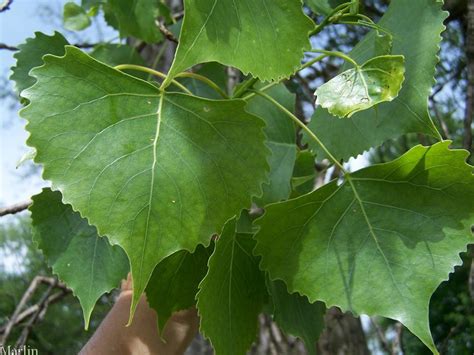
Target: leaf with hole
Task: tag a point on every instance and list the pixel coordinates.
(415, 27)
(377, 80)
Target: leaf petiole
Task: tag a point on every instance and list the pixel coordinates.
(152, 72)
(365, 24)
(337, 54)
(304, 127)
(245, 87)
(205, 80)
(252, 93)
(268, 86)
(312, 61)
(338, 11)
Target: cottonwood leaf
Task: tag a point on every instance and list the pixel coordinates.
(174, 283)
(377, 80)
(304, 174)
(264, 38)
(89, 4)
(324, 7)
(232, 293)
(116, 54)
(75, 17)
(213, 71)
(30, 55)
(281, 139)
(415, 27)
(379, 243)
(31, 52)
(295, 315)
(87, 263)
(154, 172)
(136, 18)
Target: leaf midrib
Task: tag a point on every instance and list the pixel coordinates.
(152, 182)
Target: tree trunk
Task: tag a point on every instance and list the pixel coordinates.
(343, 335)
(467, 140)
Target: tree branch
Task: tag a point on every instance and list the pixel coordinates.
(18, 207)
(166, 32)
(26, 296)
(41, 309)
(78, 45)
(18, 315)
(34, 308)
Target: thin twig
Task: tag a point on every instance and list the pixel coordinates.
(18, 315)
(78, 45)
(42, 306)
(309, 93)
(26, 296)
(7, 47)
(178, 16)
(398, 343)
(34, 308)
(381, 336)
(18, 207)
(165, 32)
(442, 122)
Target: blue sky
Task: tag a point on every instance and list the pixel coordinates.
(20, 22)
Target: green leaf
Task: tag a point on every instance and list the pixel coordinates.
(381, 242)
(383, 43)
(136, 18)
(87, 263)
(281, 139)
(377, 80)
(232, 294)
(213, 71)
(304, 174)
(30, 55)
(324, 7)
(88, 4)
(116, 54)
(296, 316)
(264, 38)
(154, 172)
(174, 283)
(75, 17)
(415, 27)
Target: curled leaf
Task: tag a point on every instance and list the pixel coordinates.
(377, 80)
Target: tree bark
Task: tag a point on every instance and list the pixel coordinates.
(469, 112)
(456, 8)
(343, 335)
